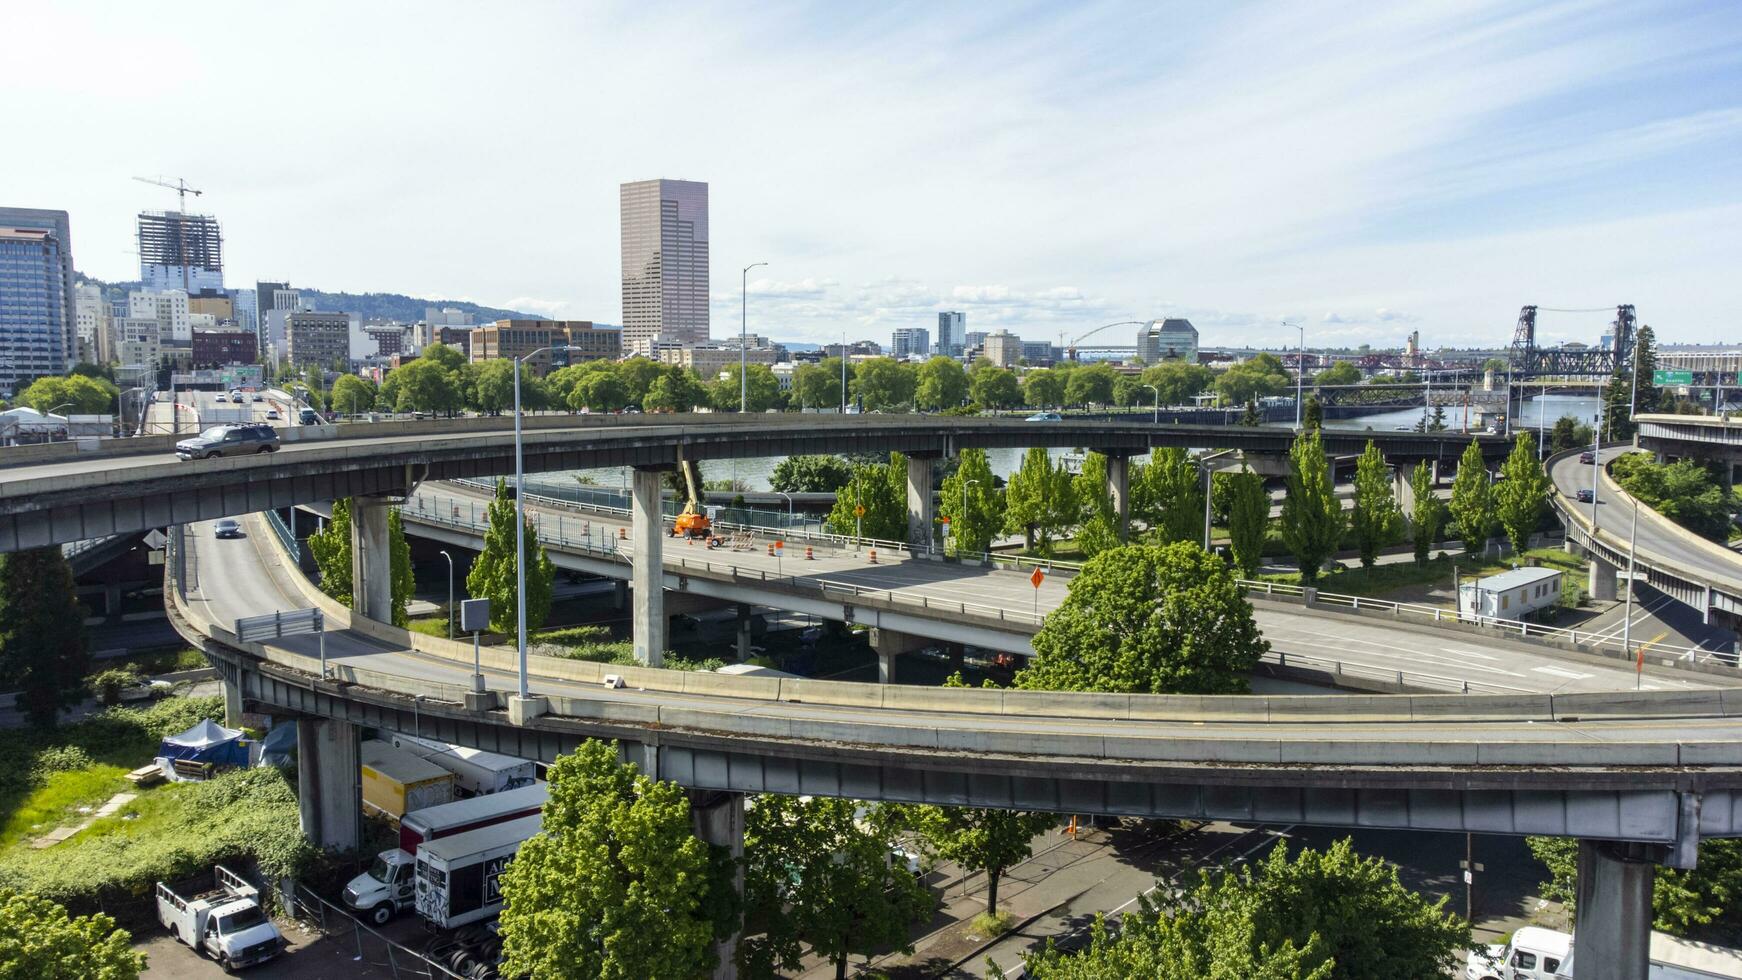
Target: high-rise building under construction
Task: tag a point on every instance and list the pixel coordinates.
(180, 251)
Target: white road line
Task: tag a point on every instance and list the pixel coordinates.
(1558, 672)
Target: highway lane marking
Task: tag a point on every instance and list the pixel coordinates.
(1558, 672)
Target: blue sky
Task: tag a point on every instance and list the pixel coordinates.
(1370, 169)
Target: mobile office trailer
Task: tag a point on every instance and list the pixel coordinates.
(397, 782)
(387, 888)
(459, 878)
(476, 772)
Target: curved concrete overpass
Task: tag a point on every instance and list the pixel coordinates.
(68, 492)
(1700, 573)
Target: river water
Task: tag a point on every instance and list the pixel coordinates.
(755, 473)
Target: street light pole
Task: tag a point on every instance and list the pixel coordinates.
(520, 529)
(1207, 488)
(1627, 614)
(450, 559)
(1299, 372)
(1157, 419)
(1596, 464)
(788, 497)
(743, 334)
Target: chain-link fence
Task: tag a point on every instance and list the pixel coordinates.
(454, 959)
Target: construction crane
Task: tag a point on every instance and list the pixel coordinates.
(182, 190)
(1071, 348)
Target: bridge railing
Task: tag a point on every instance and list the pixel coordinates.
(1400, 678)
(284, 533)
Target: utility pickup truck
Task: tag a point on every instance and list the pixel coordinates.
(224, 922)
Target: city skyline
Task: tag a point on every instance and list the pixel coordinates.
(1492, 157)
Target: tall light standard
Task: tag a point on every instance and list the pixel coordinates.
(1633, 398)
(122, 402)
(1299, 372)
(743, 335)
(1627, 614)
(450, 559)
(843, 372)
(520, 528)
(788, 497)
(1157, 419)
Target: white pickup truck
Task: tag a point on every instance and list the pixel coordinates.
(1545, 954)
(224, 922)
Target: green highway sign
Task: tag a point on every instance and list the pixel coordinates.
(1672, 377)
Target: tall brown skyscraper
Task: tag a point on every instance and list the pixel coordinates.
(665, 263)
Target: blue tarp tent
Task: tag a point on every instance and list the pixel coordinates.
(207, 741)
(279, 745)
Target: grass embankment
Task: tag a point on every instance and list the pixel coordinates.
(171, 831)
(1381, 580)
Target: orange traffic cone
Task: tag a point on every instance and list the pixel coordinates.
(623, 534)
(807, 553)
(771, 549)
(873, 556)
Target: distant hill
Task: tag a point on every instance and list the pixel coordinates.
(370, 306)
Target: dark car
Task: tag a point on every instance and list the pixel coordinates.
(226, 528)
(1585, 495)
(229, 440)
(1587, 457)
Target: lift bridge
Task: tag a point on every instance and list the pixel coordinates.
(1527, 360)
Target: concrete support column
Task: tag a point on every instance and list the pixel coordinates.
(1602, 584)
(921, 504)
(890, 644)
(1119, 488)
(1403, 490)
(327, 776)
(743, 632)
(371, 559)
(719, 821)
(646, 576)
(232, 703)
(1613, 928)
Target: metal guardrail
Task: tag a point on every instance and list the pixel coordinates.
(272, 626)
(469, 515)
(1402, 678)
(285, 534)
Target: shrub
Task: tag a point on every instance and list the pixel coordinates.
(106, 685)
(59, 758)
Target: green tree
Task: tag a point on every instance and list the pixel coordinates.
(1178, 381)
(1683, 491)
(1097, 522)
(331, 546)
(40, 941)
(882, 490)
(404, 581)
(677, 390)
(1471, 505)
(1429, 518)
(1168, 495)
(425, 386)
(493, 385)
(492, 576)
(1248, 520)
(446, 356)
(615, 885)
(1090, 385)
(810, 474)
(993, 387)
(942, 384)
(42, 634)
(1250, 417)
(1043, 388)
(1326, 915)
(1521, 496)
(638, 374)
(1568, 433)
(1376, 517)
(1683, 902)
(1312, 416)
(884, 384)
(1312, 517)
(761, 389)
(971, 529)
(1146, 619)
(819, 385)
(352, 394)
(817, 876)
(982, 839)
(1259, 377)
(599, 391)
(1128, 392)
(1038, 501)
(1498, 365)
(86, 395)
(1340, 373)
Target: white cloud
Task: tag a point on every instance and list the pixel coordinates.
(552, 308)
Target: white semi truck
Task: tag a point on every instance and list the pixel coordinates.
(1545, 954)
(459, 878)
(476, 772)
(224, 922)
(387, 887)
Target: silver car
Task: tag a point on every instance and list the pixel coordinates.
(229, 440)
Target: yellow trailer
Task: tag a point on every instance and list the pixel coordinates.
(395, 782)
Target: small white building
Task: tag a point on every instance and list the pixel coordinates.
(1510, 595)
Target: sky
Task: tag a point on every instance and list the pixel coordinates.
(1363, 170)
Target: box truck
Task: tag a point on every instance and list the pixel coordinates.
(1546, 954)
(387, 887)
(397, 782)
(224, 922)
(459, 878)
(476, 772)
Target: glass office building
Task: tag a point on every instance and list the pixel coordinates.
(36, 297)
(665, 263)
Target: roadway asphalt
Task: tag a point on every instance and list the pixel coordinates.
(1659, 540)
(1490, 665)
(240, 577)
